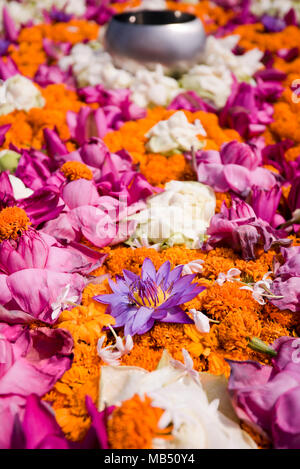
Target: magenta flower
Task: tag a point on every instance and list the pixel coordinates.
(137, 302)
(239, 228)
(246, 110)
(10, 29)
(37, 250)
(96, 437)
(286, 285)
(190, 101)
(3, 130)
(43, 205)
(269, 396)
(116, 104)
(294, 195)
(100, 225)
(116, 108)
(38, 428)
(275, 156)
(265, 203)
(235, 168)
(49, 74)
(8, 68)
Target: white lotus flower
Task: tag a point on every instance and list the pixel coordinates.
(179, 215)
(175, 134)
(153, 88)
(19, 93)
(218, 52)
(212, 83)
(200, 412)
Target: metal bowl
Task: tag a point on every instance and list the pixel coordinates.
(147, 37)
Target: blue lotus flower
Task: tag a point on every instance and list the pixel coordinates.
(137, 302)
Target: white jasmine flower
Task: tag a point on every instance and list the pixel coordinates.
(229, 277)
(19, 188)
(20, 93)
(201, 321)
(211, 82)
(187, 366)
(193, 267)
(63, 300)
(257, 293)
(112, 353)
(261, 289)
(179, 215)
(175, 134)
(108, 354)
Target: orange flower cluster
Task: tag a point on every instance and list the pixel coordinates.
(286, 113)
(159, 169)
(134, 424)
(27, 127)
(29, 53)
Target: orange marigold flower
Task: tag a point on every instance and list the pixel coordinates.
(73, 170)
(134, 424)
(13, 221)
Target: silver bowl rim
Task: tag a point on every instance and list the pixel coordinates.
(190, 19)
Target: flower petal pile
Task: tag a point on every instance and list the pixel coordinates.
(149, 231)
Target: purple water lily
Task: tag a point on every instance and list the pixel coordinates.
(137, 302)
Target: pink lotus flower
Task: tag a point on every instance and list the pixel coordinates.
(10, 29)
(239, 228)
(190, 101)
(43, 205)
(101, 226)
(268, 396)
(31, 362)
(246, 110)
(235, 168)
(116, 108)
(37, 250)
(34, 291)
(265, 203)
(8, 68)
